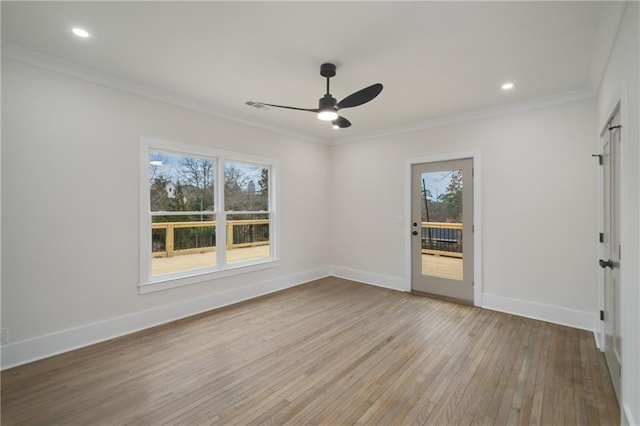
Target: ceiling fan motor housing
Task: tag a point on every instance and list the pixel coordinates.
(327, 102)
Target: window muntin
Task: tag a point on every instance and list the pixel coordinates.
(187, 232)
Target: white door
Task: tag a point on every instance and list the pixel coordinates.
(611, 248)
(442, 228)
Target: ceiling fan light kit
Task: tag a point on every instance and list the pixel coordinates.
(328, 106)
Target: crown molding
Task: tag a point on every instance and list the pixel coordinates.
(61, 66)
(30, 57)
(567, 97)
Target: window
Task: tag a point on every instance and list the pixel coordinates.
(204, 214)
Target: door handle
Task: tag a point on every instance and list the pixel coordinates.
(415, 232)
(606, 263)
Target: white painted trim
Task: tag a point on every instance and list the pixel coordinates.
(626, 325)
(61, 66)
(149, 283)
(477, 216)
(548, 101)
(600, 186)
(596, 338)
(29, 350)
(620, 101)
(548, 313)
(539, 311)
(365, 277)
(627, 416)
(169, 281)
(477, 235)
(17, 53)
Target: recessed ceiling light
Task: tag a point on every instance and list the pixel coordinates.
(80, 32)
(507, 86)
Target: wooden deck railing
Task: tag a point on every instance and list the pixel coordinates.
(438, 238)
(442, 239)
(170, 228)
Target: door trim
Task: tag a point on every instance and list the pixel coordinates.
(477, 223)
(619, 101)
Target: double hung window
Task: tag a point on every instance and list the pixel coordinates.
(204, 213)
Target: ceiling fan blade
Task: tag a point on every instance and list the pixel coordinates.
(360, 97)
(288, 107)
(341, 122)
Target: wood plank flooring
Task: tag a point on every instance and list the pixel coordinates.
(327, 352)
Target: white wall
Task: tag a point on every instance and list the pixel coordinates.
(624, 67)
(70, 211)
(539, 207)
(70, 208)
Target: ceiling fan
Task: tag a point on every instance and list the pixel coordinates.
(328, 106)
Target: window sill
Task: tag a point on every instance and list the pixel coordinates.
(168, 282)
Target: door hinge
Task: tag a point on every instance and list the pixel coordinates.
(619, 252)
(473, 172)
(601, 237)
(473, 229)
(601, 315)
(600, 158)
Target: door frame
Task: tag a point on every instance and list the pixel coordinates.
(477, 223)
(619, 102)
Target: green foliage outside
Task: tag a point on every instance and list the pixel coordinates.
(446, 207)
(188, 186)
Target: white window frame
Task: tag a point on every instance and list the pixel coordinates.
(149, 283)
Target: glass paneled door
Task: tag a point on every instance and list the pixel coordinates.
(442, 228)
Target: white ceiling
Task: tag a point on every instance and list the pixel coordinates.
(435, 59)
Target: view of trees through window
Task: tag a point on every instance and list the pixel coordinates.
(183, 208)
(442, 196)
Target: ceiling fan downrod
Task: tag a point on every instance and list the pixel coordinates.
(328, 70)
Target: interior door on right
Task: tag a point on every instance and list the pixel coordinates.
(611, 249)
(442, 228)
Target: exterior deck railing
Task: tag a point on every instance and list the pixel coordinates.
(438, 238)
(442, 239)
(200, 237)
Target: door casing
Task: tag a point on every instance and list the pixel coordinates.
(611, 243)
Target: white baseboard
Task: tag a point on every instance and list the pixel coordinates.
(596, 337)
(627, 417)
(378, 280)
(549, 313)
(554, 314)
(25, 351)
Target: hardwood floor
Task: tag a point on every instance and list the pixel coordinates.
(328, 352)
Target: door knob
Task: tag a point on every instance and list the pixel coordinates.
(606, 263)
(415, 232)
